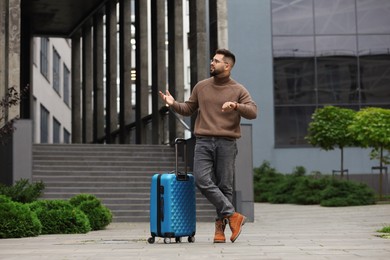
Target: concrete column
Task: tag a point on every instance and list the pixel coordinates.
(126, 106)
(13, 49)
(10, 53)
(111, 71)
(3, 55)
(218, 25)
(87, 67)
(98, 91)
(199, 58)
(159, 80)
(222, 24)
(76, 88)
(142, 86)
(176, 61)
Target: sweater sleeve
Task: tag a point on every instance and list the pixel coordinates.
(189, 107)
(247, 108)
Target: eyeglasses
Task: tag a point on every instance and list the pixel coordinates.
(217, 61)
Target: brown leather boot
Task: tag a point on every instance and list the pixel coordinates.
(236, 221)
(219, 236)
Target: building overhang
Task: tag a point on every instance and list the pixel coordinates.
(59, 18)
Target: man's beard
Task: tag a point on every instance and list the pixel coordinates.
(215, 72)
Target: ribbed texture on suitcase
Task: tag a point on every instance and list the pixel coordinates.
(183, 212)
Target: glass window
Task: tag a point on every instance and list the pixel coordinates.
(375, 68)
(373, 16)
(44, 125)
(345, 61)
(335, 16)
(44, 55)
(291, 125)
(66, 136)
(292, 17)
(56, 71)
(294, 70)
(56, 131)
(66, 85)
(337, 69)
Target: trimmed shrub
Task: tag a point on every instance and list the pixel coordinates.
(99, 215)
(308, 191)
(297, 188)
(346, 193)
(23, 191)
(17, 220)
(265, 180)
(284, 190)
(60, 217)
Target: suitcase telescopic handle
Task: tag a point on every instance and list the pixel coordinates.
(179, 175)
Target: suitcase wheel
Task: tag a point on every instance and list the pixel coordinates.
(191, 239)
(167, 240)
(151, 240)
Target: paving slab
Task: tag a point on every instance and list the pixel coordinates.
(280, 231)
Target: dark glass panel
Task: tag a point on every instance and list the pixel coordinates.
(337, 69)
(292, 17)
(294, 70)
(373, 16)
(44, 125)
(375, 78)
(291, 125)
(335, 16)
(294, 81)
(375, 68)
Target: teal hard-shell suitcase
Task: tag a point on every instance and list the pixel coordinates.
(172, 204)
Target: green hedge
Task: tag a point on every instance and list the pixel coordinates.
(60, 217)
(99, 215)
(299, 188)
(23, 191)
(17, 220)
(21, 215)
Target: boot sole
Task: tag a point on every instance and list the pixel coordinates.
(239, 232)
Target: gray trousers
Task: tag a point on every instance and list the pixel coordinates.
(214, 169)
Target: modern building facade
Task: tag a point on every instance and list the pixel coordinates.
(296, 56)
(52, 122)
(293, 56)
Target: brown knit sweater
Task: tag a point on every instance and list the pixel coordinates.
(207, 99)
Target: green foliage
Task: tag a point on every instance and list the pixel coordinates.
(346, 193)
(308, 190)
(385, 229)
(265, 179)
(386, 232)
(17, 220)
(371, 127)
(99, 216)
(60, 217)
(298, 188)
(329, 128)
(22, 191)
(284, 190)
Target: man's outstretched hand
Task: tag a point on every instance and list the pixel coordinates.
(167, 97)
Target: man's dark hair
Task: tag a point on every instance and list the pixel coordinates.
(228, 54)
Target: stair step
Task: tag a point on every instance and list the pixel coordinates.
(119, 175)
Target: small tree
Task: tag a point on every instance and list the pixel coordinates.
(329, 129)
(371, 128)
(11, 98)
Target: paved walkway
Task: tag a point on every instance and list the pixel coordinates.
(279, 232)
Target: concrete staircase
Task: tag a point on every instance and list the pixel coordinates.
(119, 175)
